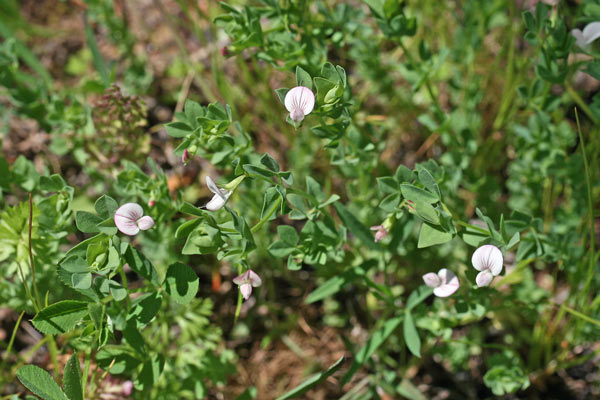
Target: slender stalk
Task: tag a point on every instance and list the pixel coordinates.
(86, 370)
(591, 255)
(577, 99)
(238, 307)
(12, 337)
(269, 214)
(581, 315)
(31, 264)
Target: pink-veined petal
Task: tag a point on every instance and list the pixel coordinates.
(449, 283)
(126, 225)
(126, 218)
(145, 223)
(484, 278)
(432, 280)
(299, 98)
(243, 278)
(246, 289)
(591, 32)
(132, 211)
(254, 278)
(488, 257)
(376, 227)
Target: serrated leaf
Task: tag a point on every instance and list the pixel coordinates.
(181, 283)
(40, 383)
(60, 317)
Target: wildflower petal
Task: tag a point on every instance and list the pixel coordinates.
(591, 32)
(245, 277)
(254, 278)
(488, 257)
(449, 283)
(484, 278)
(579, 39)
(432, 280)
(126, 218)
(246, 289)
(299, 101)
(218, 201)
(212, 186)
(145, 223)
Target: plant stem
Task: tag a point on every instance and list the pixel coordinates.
(12, 338)
(31, 264)
(577, 99)
(591, 255)
(269, 214)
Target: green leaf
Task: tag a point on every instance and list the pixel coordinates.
(431, 235)
(87, 222)
(355, 226)
(427, 213)
(330, 287)
(60, 317)
(418, 296)
(303, 78)
(145, 307)
(269, 162)
(140, 264)
(72, 379)
(388, 185)
(181, 283)
(376, 340)
(427, 180)
(106, 207)
(81, 280)
(313, 381)
(117, 291)
(288, 234)
(417, 195)
(411, 336)
(178, 129)
(40, 383)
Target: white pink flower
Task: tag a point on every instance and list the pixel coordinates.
(584, 38)
(380, 233)
(130, 218)
(444, 283)
(220, 195)
(488, 260)
(246, 282)
(300, 102)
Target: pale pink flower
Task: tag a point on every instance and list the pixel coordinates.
(444, 283)
(127, 388)
(129, 219)
(300, 102)
(584, 38)
(487, 259)
(246, 281)
(381, 232)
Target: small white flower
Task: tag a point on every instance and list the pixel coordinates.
(444, 283)
(246, 281)
(584, 38)
(487, 259)
(300, 102)
(129, 219)
(220, 195)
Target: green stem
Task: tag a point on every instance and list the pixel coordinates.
(268, 215)
(581, 315)
(577, 99)
(86, 370)
(590, 272)
(12, 338)
(31, 264)
(238, 307)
